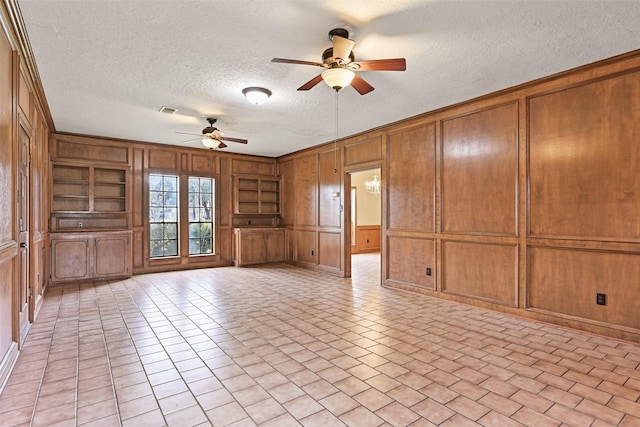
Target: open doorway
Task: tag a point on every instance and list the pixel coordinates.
(364, 233)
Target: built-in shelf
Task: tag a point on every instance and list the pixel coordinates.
(257, 195)
(88, 189)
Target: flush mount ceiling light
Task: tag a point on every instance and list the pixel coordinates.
(337, 78)
(256, 95)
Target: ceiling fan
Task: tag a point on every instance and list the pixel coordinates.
(341, 65)
(212, 137)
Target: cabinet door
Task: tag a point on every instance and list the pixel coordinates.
(71, 259)
(112, 256)
(252, 247)
(274, 246)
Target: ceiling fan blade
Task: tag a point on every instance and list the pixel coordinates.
(241, 141)
(342, 48)
(311, 83)
(396, 64)
(361, 85)
(295, 61)
(190, 140)
(186, 133)
(222, 145)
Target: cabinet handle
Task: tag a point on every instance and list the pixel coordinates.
(23, 244)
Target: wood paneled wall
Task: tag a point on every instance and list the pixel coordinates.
(524, 201)
(8, 241)
(367, 239)
(24, 126)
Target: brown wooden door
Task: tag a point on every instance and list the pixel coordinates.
(252, 247)
(112, 256)
(274, 242)
(24, 295)
(71, 257)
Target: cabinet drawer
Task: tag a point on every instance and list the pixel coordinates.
(80, 223)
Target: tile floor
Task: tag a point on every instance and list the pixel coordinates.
(281, 346)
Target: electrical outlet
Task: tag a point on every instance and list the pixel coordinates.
(601, 299)
(428, 271)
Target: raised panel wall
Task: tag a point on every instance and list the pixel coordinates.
(411, 179)
(480, 172)
(6, 143)
(6, 304)
(367, 239)
(584, 145)
(250, 167)
(306, 247)
(330, 183)
(77, 148)
(408, 259)
(162, 159)
(306, 190)
(287, 175)
(8, 251)
(367, 150)
(329, 254)
(566, 280)
(202, 164)
(481, 270)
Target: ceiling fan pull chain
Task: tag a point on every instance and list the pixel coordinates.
(335, 141)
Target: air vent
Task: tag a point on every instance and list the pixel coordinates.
(168, 110)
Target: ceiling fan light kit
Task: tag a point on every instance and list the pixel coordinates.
(210, 142)
(256, 95)
(338, 78)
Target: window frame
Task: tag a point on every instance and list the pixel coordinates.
(183, 256)
(212, 213)
(164, 207)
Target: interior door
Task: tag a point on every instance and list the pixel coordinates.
(24, 294)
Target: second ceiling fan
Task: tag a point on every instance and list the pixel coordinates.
(211, 137)
(341, 65)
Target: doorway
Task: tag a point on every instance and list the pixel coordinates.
(365, 219)
(24, 294)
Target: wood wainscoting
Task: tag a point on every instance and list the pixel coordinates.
(367, 239)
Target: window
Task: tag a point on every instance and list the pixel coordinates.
(200, 215)
(181, 222)
(163, 215)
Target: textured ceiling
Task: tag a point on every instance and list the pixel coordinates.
(108, 66)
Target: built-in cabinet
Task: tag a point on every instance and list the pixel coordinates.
(90, 238)
(88, 256)
(259, 245)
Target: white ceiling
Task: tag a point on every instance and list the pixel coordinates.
(108, 66)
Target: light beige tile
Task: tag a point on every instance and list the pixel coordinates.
(305, 349)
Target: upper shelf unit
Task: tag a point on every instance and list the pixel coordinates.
(88, 189)
(257, 195)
